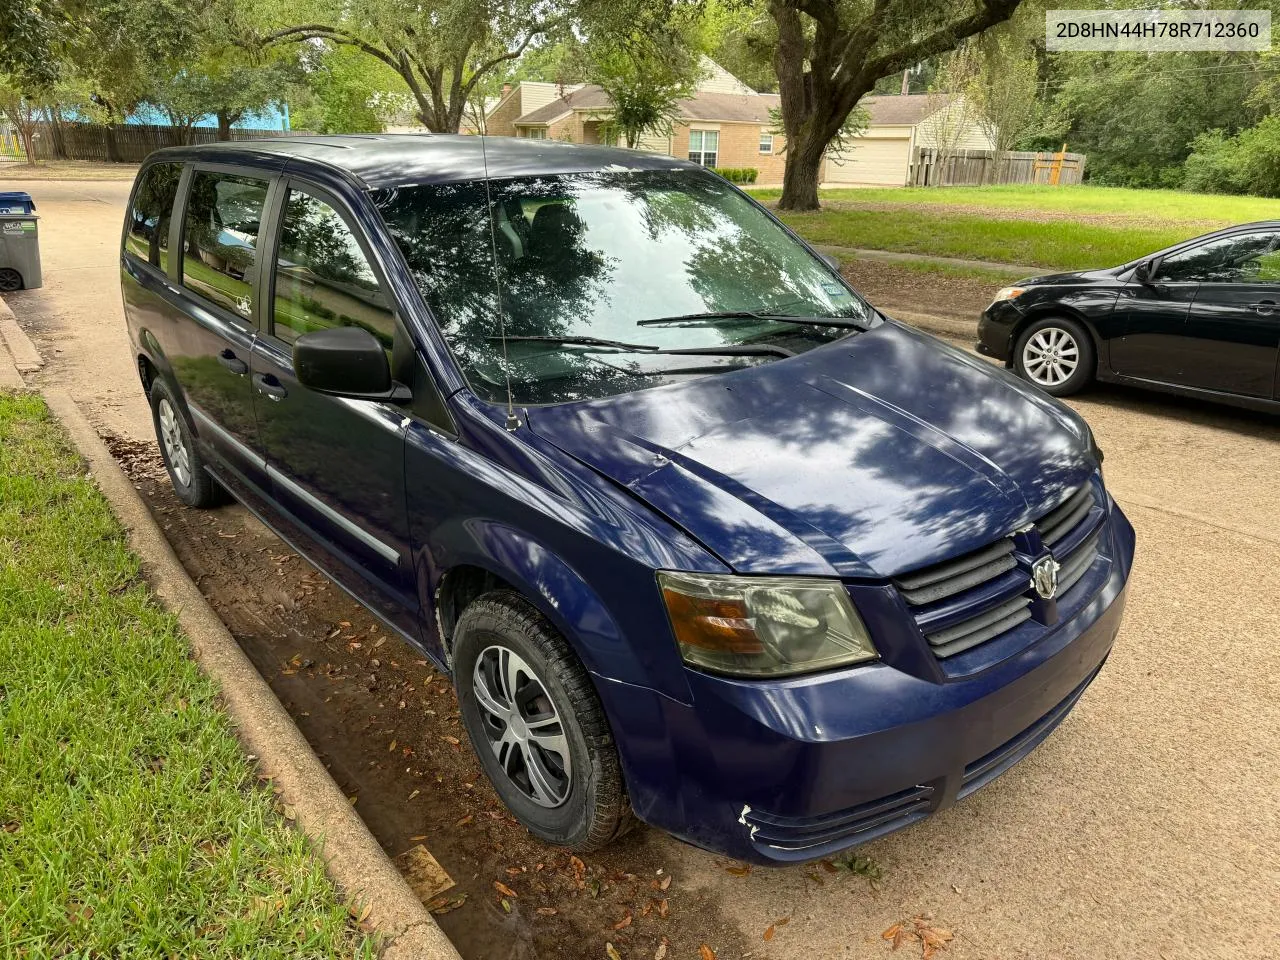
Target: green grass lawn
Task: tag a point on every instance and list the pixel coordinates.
(1060, 244)
(1166, 205)
(131, 824)
(970, 225)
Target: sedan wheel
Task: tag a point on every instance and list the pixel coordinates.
(1051, 356)
(523, 727)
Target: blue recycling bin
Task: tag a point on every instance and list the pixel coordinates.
(16, 201)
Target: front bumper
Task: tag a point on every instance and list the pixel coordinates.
(793, 770)
(995, 330)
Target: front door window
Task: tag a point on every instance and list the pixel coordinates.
(1244, 258)
(322, 277)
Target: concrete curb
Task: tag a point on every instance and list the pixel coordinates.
(1015, 270)
(352, 856)
(26, 358)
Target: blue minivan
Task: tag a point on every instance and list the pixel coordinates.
(702, 538)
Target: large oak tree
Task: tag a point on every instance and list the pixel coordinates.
(440, 48)
(830, 53)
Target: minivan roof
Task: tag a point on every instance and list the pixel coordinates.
(395, 159)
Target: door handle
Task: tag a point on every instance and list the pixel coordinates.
(233, 363)
(1265, 307)
(268, 384)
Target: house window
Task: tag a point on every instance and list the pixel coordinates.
(704, 145)
(766, 142)
(533, 133)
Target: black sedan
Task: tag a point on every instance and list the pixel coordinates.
(1199, 318)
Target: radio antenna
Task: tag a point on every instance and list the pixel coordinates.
(513, 422)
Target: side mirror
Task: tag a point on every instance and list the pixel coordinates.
(345, 362)
(1144, 271)
(830, 261)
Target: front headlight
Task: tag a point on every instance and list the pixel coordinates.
(1008, 293)
(764, 626)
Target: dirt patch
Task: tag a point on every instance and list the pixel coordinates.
(893, 287)
(386, 725)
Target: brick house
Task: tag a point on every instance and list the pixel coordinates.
(727, 124)
(723, 124)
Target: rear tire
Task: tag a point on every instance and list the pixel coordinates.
(537, 725)
(191, 481)
(1057, 355)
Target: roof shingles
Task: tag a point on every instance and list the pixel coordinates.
(736, 107)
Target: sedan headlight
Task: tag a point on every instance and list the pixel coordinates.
(1008, 293)
(764, 626)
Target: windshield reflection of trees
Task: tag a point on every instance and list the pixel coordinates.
(555, 281)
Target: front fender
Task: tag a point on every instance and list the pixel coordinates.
(560, 592)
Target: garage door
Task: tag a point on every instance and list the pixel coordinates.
(882, 161)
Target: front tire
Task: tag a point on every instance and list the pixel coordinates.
(191, 482)
(537, 725)
(1057, 355)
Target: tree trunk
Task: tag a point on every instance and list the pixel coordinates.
(26, 135)
(224, 125)
(801, 173)
(113, 148)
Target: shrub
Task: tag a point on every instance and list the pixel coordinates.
(1249, 162)
(737, 174)
(1215, 164)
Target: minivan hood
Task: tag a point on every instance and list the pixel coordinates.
(877, 454)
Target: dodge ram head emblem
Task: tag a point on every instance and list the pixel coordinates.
(1044, 577)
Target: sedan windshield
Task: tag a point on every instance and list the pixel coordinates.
(571, 261)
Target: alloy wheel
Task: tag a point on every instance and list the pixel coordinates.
(10, 280)
(1050, 356)
(175, 446)
(523, 726)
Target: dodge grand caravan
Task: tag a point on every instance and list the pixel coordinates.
(701, 537)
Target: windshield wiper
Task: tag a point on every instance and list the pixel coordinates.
(727, 350)
(712, 317)
(584, 342)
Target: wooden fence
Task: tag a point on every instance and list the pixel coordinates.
(969, 168)
(123, 142)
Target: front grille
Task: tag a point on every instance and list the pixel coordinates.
(961, 603)
(855, 824)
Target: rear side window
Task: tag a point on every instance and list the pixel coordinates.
(150, 215)
(322, 276)
(220, 237)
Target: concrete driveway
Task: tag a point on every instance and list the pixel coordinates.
(1148, 825)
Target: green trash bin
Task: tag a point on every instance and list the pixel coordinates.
(19, 252)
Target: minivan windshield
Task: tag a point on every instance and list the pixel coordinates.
(611, 281)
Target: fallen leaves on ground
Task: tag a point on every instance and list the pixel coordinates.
(445, 904)
(740, 870)
(624, 922)
(772, 930)
(611, 952)
(503, 889)
(706, 953)
(919, 930)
